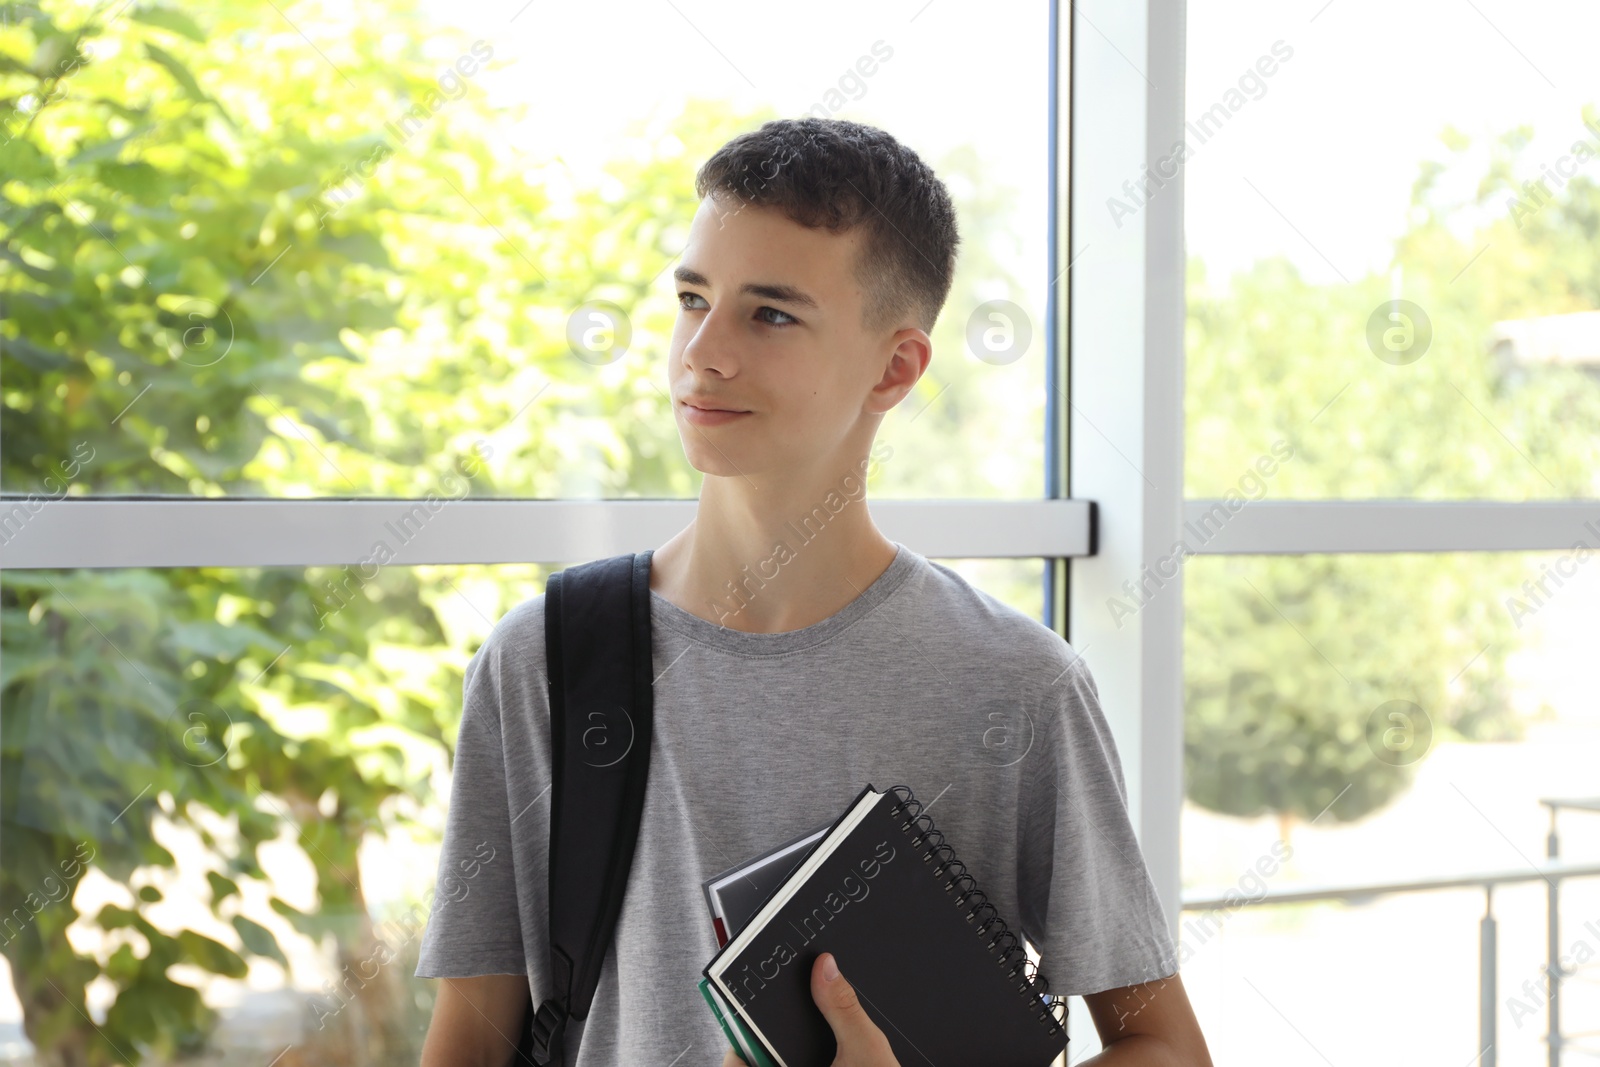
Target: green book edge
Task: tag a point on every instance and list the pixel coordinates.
(749, 1044)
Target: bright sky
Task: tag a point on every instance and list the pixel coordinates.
(1333, 143)
(950, 80)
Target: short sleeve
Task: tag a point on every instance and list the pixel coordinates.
(473, 926)
(1085, 896)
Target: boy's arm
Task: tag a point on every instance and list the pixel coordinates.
(476, 1021)
(1147, 1025)
(472, 943)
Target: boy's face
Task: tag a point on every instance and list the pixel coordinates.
(769, 323)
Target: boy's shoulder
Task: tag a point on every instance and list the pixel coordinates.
(951, 605)
(519, 633)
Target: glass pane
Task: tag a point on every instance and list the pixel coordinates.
(349, 255)
(1366, 719)
(1397, 275)
(225, 791)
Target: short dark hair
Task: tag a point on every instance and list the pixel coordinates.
(838, 175)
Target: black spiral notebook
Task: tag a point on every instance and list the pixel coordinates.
(933, 963)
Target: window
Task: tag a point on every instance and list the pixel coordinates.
(325, 331)
(1391, 403)
(418, 268)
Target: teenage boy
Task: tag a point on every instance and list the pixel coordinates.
(800, 654)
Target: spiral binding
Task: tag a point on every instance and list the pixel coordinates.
(1015, 955)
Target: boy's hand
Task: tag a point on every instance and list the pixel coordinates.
(861, 1043)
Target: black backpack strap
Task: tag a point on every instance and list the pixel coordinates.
(597, 653)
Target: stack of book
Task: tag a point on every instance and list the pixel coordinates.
(933, 964)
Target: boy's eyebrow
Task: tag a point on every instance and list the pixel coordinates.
(786, 293)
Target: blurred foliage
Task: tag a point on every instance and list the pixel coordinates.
(176, 320)
(1288, 658)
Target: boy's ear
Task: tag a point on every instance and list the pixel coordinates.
(907, 363)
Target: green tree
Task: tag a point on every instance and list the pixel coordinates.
(180, 315)
(1289, 660)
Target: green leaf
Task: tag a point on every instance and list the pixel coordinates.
(137, 179)
(221, 888)
(108, 150)
(258, 940)
(31, 355)
(206, 639)
(284, 908)
(20, 158)
(123, 965)
(214, 956)
(44, 275)
(153, 852)
(8, 65)
(149, 894)
(179, 72)
(361, 247)
(169, 19)
(20, 664)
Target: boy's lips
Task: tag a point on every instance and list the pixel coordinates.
(708, 404)
(710, 416)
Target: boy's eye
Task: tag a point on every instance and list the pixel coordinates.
(783, 317)
(790, 319)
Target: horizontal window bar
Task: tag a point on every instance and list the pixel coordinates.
(1363, 892)
(254, 532)
(258, 532)
(1295, 527)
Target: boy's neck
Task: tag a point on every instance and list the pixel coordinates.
(826, 560)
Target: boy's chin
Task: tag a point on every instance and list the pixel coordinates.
(716, 466)
(725, 463)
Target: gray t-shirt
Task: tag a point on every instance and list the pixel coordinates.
(988, 716)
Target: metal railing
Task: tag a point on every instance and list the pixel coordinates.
(1553, 963)
(1551, 873)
